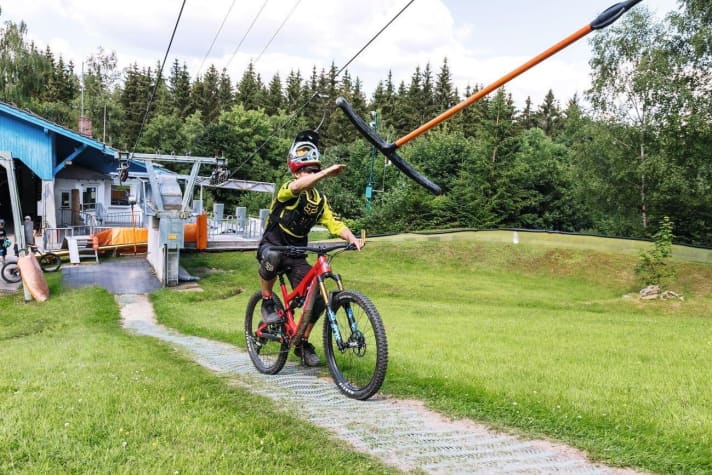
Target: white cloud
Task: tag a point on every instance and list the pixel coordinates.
(481, 41)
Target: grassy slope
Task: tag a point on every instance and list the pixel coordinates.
(534, 338)
(78, 395)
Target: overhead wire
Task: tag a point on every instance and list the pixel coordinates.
(306, 103)
(286, 19)
(216, 37)
(254, 20)
(158, 77)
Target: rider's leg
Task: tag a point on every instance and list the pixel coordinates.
(267, 286)
(269, 264)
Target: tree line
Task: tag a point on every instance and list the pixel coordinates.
(633, 150)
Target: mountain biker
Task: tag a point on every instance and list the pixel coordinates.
(297, 207)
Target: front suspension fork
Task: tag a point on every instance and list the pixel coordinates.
(331, 315)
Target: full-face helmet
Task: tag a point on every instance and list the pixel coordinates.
(304, 152)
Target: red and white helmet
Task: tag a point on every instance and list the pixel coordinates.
(304, 153)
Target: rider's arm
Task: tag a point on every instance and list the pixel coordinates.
(337, 227)
(349, 237)
(309, 180)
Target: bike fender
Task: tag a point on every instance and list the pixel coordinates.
(333, 296)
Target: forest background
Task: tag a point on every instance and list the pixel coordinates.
(635, 149)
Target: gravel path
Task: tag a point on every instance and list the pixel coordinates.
(401, 433)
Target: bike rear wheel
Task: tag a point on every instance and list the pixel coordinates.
(359, 367)
(11, 273)
(50, 262)
(269, 349)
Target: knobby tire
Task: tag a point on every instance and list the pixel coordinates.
(267, 355)
(358, 372)
(50, 262)
(11, 273)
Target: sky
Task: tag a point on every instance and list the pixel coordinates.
(482, 41)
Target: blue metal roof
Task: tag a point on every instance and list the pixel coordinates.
(45, 147)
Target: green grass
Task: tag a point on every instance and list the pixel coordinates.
(558, 240)
(535, 339)
(80, 395)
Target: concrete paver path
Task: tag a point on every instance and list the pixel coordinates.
(401, 433)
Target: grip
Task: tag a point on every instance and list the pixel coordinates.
(387, 149)
(612, 13)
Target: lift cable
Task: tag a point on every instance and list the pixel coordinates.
(303, 106)
(158, 77)
(216, 37)
(254, 20)
(286, 19)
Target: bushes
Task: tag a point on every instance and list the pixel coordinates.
(653, 266)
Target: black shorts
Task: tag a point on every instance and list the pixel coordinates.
(274, 262)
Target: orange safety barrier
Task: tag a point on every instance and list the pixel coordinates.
(190, 232)
(193, 232)
(119, 236)
(197, 232)
(103, 237)
(202, 225)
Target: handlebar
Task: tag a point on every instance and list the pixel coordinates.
(320, 249)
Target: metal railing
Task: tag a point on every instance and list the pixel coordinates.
(54, 239)
(232, 227)
(69, 218)
(226, 228)
(123, 219)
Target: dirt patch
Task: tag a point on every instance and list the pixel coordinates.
(202, 271)
(135, 308)
(188, 287)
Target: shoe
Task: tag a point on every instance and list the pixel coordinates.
(269, 311)
(305, 351)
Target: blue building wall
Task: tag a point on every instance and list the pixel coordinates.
(31, 144)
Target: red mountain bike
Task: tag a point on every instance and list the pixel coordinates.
(355, 343)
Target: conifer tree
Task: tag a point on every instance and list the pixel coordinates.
(134, 100)
(211, 100)
(226, 95)
(470, 119)
(69, 84)
(197, 97)
(249, 89)
(444, 93)
(179, 89)
(401, 118)
(293, 98)
(527, 118)
(426, 97)
(274, 100)
(548, 115)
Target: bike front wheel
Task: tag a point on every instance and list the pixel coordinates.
(266, 344)
(359, 360)
(50, 262)
(11, 273)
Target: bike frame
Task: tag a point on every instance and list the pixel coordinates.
(356, 358)
(306, 291)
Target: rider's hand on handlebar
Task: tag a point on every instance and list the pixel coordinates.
(349, 237)
(357, 243)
